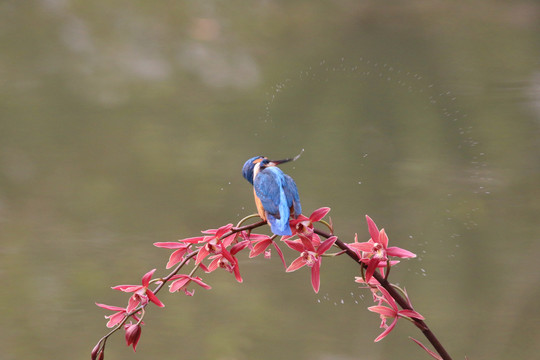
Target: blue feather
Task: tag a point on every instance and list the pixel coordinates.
(291, 192)
(277, 193)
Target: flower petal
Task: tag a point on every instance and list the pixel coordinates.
(176, 257)
(315, 276)
(169, 245)
(373, 230)
(399, 252)
(193, 240)
(372, 266)
(236, 271)
(127, 288)
(111, 307)
(153, 298)
(432, 353)
(133, 302)
(240, 246)
(203, 252)
(180, 283)
(199, 281)
(222, 230)
(308, 242)
(363, 246)
(116, 319)
(214, 264)
(146, 278)
(411, 314)
(387, 331)
(295, 245)
(383, 238)
(296, 264)
(260, 247)
(280, 253)
(258, 237)
(388, 298)
(228, 240)
(326, 245)
(319, 214)
(227, 255)
(383, 310)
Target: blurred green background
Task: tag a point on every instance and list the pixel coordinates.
(123, 123)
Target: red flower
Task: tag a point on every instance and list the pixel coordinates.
(182, 281)
(133, 334)
(375, 251)
(391, 312)
(115, 318)
(213, 243)
(178, 255)
(304, 225)
(225, 259)
(310, 254)
(141, 293)
(261, 243)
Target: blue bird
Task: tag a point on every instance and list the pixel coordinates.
(276, 195)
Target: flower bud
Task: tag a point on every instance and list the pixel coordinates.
(98, 353)
(133, 334)
(95, 351)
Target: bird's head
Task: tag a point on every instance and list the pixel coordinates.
(256, 164)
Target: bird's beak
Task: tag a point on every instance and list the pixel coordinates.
(277, 162)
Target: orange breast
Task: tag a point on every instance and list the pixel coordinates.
(260, 208)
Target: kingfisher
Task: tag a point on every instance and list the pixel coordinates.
(276, 195)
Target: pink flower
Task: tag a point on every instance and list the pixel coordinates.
(225, 259)
(375, 251)
(133, 334)
(115, 318)
(304, 225)
(182, 281)
(261, 243)
(141, 293)
(213, 243)
(391, 312)
(178, 254)
(310, 254)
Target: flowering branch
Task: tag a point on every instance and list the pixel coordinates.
(394, 294)
(217, 248)
(119, 319)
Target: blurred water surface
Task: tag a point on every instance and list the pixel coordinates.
(125, 123)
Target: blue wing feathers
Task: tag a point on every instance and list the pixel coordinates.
(293, 199)
(267, 187)
(278, 194)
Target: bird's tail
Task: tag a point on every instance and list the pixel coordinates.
(279, 226)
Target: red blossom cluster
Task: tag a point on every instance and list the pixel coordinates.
(219, 248)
